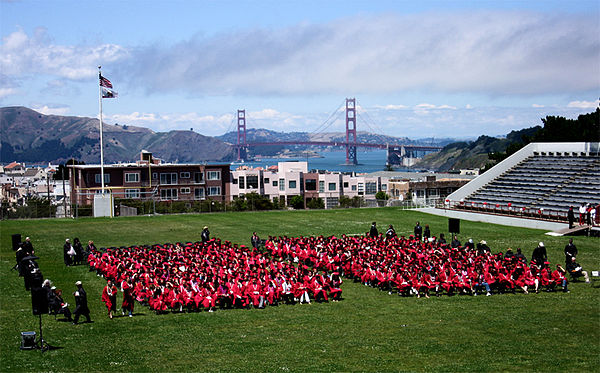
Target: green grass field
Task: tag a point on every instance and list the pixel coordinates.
(368, 331)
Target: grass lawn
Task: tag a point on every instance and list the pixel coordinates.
(368, 331)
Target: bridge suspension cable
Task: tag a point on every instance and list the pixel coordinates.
(323, 126)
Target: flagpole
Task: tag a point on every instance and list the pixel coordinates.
(101, 144)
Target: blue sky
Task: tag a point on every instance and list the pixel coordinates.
(417, 69)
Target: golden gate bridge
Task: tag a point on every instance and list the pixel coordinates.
(351, 142)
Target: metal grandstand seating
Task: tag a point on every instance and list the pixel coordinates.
(541, 184)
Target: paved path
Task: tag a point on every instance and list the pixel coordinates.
(496, 219)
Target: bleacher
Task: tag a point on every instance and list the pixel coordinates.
(541, 184)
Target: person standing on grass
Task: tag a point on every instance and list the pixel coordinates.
(81, 306)
(570, 251)
(255, 240)
(205, 235)
(128, 297)
(373, 231)
(539, 255)
(418, 231)
(109, 297)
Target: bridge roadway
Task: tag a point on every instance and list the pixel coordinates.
(343, 143)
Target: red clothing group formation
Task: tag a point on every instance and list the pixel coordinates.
(410, 266)
(204, 276)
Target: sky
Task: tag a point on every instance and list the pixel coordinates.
(417, 69)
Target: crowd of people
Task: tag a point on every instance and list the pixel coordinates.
(214, 274)
(420, 267)
(207, 276)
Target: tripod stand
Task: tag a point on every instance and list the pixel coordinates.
(41, 344)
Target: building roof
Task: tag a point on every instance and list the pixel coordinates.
(145, 166)
(12, 165)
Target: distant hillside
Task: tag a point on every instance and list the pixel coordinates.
(28, 136)
(265, 135)
(486, 151)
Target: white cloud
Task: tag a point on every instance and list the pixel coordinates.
(22, 54)
(47, 110)
(391, 107)
(584, 104)
(537, 105)
(494, 53)
(7, 92)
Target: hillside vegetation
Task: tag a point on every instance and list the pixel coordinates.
(487, 151)
(29, 136)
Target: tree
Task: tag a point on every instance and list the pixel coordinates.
(382, 195)
(315, 203)
(297, 202)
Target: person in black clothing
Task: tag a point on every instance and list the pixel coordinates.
(418, 231)
(470, 245)
(81, 306)
(442, 239)
(576, 271)
(509, 255)
(255, 240)
(482, 247)
(539, 255)
(570, 251)
(205, 235)
(391, 232)
(28, 247)
(571, 217)
(426, 233)
(373, 231)
(78, 258)
(455, 242)
(66, 249)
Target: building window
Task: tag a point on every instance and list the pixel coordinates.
(332, 187)
(252, 181)
(234, 181)
(199, 193)
(332, 202)
(292, 184)
(321, 186)
(214, 191)
(168, 194)
(275, 183)
(361, 187)
(155, 176)
(199, 177)
(282, 184)
(132, 193)
(184, 175)
(185, 190)
(266, 180)
(354, 188)
(310, 184)
(169, 178)
(345, 184)
(420, 193)
(242, 182)
(371, 188)
(384, 187)
(132, 177)
(214, 175)
(106, 178)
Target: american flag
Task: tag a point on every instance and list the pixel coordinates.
(105, 82)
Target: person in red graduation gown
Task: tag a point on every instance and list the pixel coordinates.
(109, 297)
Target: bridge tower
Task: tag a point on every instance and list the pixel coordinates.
(351, 131)
(242, 144)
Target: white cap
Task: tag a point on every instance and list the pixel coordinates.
(541, 244)
(78, 283)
